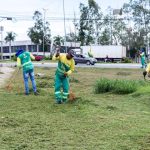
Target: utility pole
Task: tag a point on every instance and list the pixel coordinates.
(44, 29)
(1, 30)
(64, 26)
(75, 27)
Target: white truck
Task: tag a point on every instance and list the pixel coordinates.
(105, 53)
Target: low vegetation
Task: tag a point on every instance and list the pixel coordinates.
(117, 86)
(105, 121)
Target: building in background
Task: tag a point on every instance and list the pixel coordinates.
(33, 48)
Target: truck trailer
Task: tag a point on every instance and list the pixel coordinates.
(105, 53)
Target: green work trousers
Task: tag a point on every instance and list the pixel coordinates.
(143, 62)
(61, 82)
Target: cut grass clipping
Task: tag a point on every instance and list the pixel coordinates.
(104, 85)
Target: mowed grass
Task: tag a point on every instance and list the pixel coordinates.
(93, 122)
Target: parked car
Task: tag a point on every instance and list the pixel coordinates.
(84, 59)
(38, 57)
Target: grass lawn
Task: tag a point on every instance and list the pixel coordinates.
(93, 122)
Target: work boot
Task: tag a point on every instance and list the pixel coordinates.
(58, 101)
(64, 100)
(35, 93)
(26, 94)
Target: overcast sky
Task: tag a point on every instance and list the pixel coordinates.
(23, 11)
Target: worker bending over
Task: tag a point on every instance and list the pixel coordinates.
(24, 61)
(147, 71)
(64, 69)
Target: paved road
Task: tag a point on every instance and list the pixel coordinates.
(98, 65)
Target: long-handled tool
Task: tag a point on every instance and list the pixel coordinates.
(9, 86)
(72, 96)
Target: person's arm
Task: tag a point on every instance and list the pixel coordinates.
(32, 57)
(57, 55)
(148, 68)
(18, 62)
(142, 54)
(71, 68)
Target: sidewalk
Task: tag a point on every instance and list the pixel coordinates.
(5, 73)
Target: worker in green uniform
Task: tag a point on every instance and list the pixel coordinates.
(24, 62)
(65, 68)
(143, 60)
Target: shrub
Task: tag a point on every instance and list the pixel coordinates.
(14, 58)
(104, 85)
(126, 60)
(47, 58)
(125, 86)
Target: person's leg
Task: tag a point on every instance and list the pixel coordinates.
(25, 77)
(142, 62)
(65, 83)
(33, 81)
(57, 88)
(145, 64)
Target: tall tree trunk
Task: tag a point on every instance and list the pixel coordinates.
(10, 50)
(37, 49)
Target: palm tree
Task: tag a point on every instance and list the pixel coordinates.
(9, 38)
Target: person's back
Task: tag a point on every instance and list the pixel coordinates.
(25, 60)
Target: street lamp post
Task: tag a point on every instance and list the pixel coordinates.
(64, 26)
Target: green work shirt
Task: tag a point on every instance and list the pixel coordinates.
(26, 61)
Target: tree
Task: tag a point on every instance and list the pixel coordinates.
(104, 39)
(71, 37)
(90, 23)
(58, 40)
(115, 26)
(39, 30)
(139, 12)
(9, 38)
